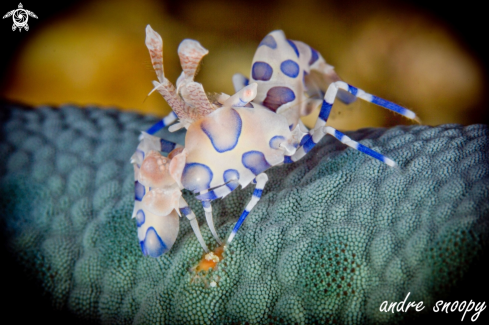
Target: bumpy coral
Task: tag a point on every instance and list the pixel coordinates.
(333, 236)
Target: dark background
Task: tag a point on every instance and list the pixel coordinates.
(462, 25)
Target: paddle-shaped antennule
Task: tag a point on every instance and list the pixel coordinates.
(191, 54)
(189, 100)
(154, 43)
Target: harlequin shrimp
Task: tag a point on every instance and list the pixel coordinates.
(233, 140)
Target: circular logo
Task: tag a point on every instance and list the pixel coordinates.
(20, 18)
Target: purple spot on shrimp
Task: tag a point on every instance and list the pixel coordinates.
(292, 44)
(261, 71)
(255, 161)
(139, 191)
(275, 142)
(214, 130)
(314, 56)
(140, 218)
(231, 177)
(196, 177)
(269, 41)
(152, 244)
(277, 96)
(290, 68)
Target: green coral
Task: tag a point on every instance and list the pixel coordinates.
(333, 236)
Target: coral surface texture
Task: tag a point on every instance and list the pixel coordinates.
(333, 236)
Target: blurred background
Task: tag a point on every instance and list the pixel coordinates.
(429, 59)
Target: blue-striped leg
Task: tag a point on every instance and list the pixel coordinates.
(311, 141)
(358, 146)
(185, 209)
(315, 135)
(261, 180)
(209, 195)
(164, 122)
(332, 93)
